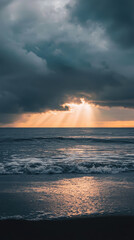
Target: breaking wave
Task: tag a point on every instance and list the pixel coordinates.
(38, 166)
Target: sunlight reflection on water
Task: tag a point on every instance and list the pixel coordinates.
(74, 196)
(77, 196)
(50, 197)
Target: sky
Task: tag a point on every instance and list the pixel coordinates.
(66, 63)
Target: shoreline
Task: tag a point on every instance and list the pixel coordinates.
(105, 227)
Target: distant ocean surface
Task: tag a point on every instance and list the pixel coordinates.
(58, 151)
(51, 173)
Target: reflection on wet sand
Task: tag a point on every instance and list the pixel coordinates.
(47, 197)
(76, 196)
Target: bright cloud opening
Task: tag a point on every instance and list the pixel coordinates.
(78, 115)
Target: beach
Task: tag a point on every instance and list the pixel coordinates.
(96, 228)
(48, 197)
(58, 184)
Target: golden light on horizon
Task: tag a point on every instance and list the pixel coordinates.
(78, 115)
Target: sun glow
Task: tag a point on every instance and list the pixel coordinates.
(77, 115)
(80, 114)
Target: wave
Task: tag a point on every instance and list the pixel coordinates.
(38, 166)
(119, 140)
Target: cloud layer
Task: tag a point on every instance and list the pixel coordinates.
(116, 16)
(54, 51)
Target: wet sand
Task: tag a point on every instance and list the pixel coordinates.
(109, 227)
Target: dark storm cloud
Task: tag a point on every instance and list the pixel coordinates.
(4, 3)
(45, 60)
(116, 16)
(9, 118)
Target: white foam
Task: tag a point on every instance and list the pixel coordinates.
(42, 166)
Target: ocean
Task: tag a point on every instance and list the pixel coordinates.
(61, 173)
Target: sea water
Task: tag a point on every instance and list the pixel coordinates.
(53, 173)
